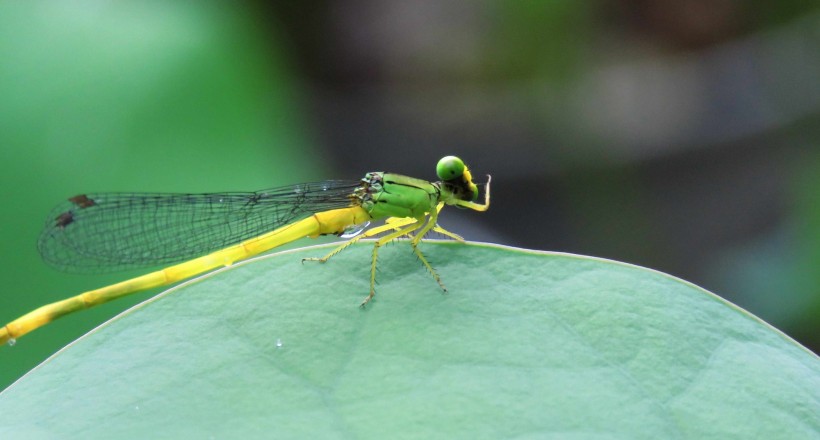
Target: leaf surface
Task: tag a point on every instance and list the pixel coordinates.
(525, 345)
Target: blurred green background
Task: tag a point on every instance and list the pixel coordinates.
(681, 135)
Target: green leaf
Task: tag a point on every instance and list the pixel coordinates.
(525, 344)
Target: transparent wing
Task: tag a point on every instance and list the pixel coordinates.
(114, 231)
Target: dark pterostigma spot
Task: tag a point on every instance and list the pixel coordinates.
(82, 201)
(64, 219)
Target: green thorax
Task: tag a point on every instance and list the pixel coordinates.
(393, 195)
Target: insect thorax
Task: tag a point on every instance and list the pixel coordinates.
(394, 195)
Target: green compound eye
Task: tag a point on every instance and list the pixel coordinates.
(450, 168)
